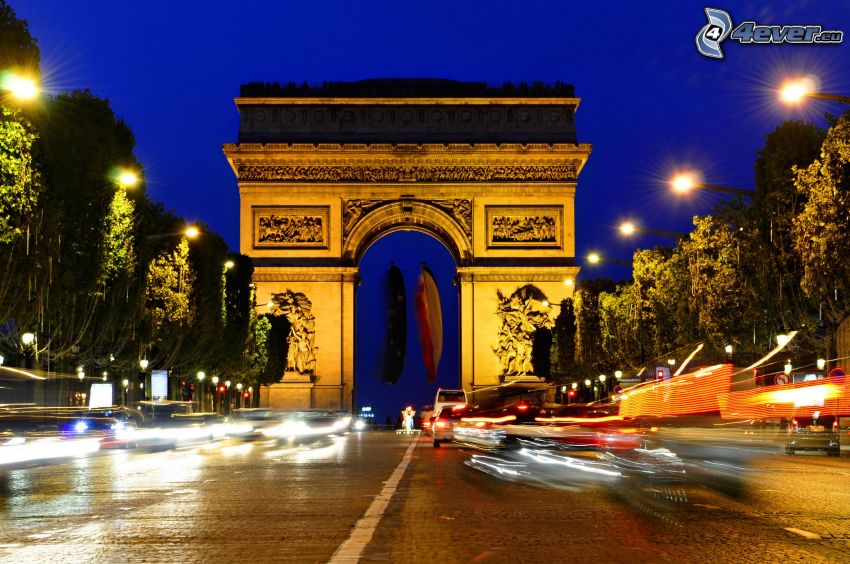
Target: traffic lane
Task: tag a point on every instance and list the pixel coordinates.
(219, 502)
(445, 511)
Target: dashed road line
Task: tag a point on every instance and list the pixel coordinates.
(802, 533)
(352, 549)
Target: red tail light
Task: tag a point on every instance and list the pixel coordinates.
(440, 423)
(522, 407)
(458, 407)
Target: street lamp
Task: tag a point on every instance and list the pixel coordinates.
(27, 339)
(794, 91)
(618, 374)
(596, 258)
(788, 367)
(587, 381)
(569, 282)
(671, 361)
(18, 86)
(191, 232)
(782, 340)
(602, 378)
(684, 182)
(126, 178)
(143, 364)
(229, 264)
(628, 229)
(821, 363)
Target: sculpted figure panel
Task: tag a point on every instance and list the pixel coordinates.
(524, 226)
(290, 227)
(521, 315)
(301, 342)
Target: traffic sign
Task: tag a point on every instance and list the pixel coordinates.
(781, 379)
(837, 375)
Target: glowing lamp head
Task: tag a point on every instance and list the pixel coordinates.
(821, 363)
(728, 349)
(602, 377)
(215, 380)
(128, 178)
(618, 374)
(20, 87)
(782, 340)
(192, 232)
(587, 382)
(143, 364)
(545, 303)
(229, 264)
(569, 282)
(81, 375)
(201, 375)
(574, 385)
(683, 182)
(239, 386)
(794, 91)
(671, 361)
(593, 258)
(788, 367)
(125, 382)
(627, 228)
(28, 339)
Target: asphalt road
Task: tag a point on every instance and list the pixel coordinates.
(264, 502)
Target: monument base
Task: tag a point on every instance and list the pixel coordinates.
(293, 392)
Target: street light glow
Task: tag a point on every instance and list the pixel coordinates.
(593, 258)
(602, 377)
(618, 374)
(683, 182)
(19, 86)
(587, 382)
(215, 380)
(201, 375)
(627, 228)
(192, 232)
(671, 361)
(144, 364)
(545, 303)
(229, 264)
(27, 339)
(728, 349)
(782, 340)
(128, 178)
(239, 386)
(821, 363)
(795, 90)
(568, 282)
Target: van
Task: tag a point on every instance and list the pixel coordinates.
(448, 398)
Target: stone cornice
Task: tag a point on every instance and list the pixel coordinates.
(406, 149)
(554, 101)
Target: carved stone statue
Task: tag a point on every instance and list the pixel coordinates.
(522, 314)
(301, 351)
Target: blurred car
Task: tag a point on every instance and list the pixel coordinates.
(819, 432)
(155, 413)
(442, 430)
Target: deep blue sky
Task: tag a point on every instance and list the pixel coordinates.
(650, 103)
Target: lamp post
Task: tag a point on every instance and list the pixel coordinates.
(143, 365)
(29, 347)
(628, 229)
(216, 397)
(596, 258)
(684, 182)
(795, 91)
(191, 232)
(239, 392)
(201, 400)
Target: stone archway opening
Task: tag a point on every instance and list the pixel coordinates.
(405, 249)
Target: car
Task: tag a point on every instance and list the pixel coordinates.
(818, 432)
(442, 430)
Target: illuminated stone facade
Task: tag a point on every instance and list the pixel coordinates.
(321, 177)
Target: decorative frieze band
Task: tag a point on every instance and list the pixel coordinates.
(530, 173)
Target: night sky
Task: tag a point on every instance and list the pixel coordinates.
(650, 102)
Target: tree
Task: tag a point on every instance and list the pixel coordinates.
(562, 354)
(589, 355)
(820, 230)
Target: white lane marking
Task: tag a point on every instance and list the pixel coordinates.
(802, 533)
(352, 549)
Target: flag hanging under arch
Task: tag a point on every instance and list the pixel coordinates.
(429, 315)
(396, 342)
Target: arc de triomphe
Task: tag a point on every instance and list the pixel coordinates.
(324, 172)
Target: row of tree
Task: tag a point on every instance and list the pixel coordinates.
(744, 274)
(101, 274)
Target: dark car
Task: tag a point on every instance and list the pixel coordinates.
(819, 432)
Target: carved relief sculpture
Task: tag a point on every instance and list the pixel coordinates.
(251, 172)
(521, 315)
(524, 226)
(301, 347)
(459, 209)
(290, 227)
